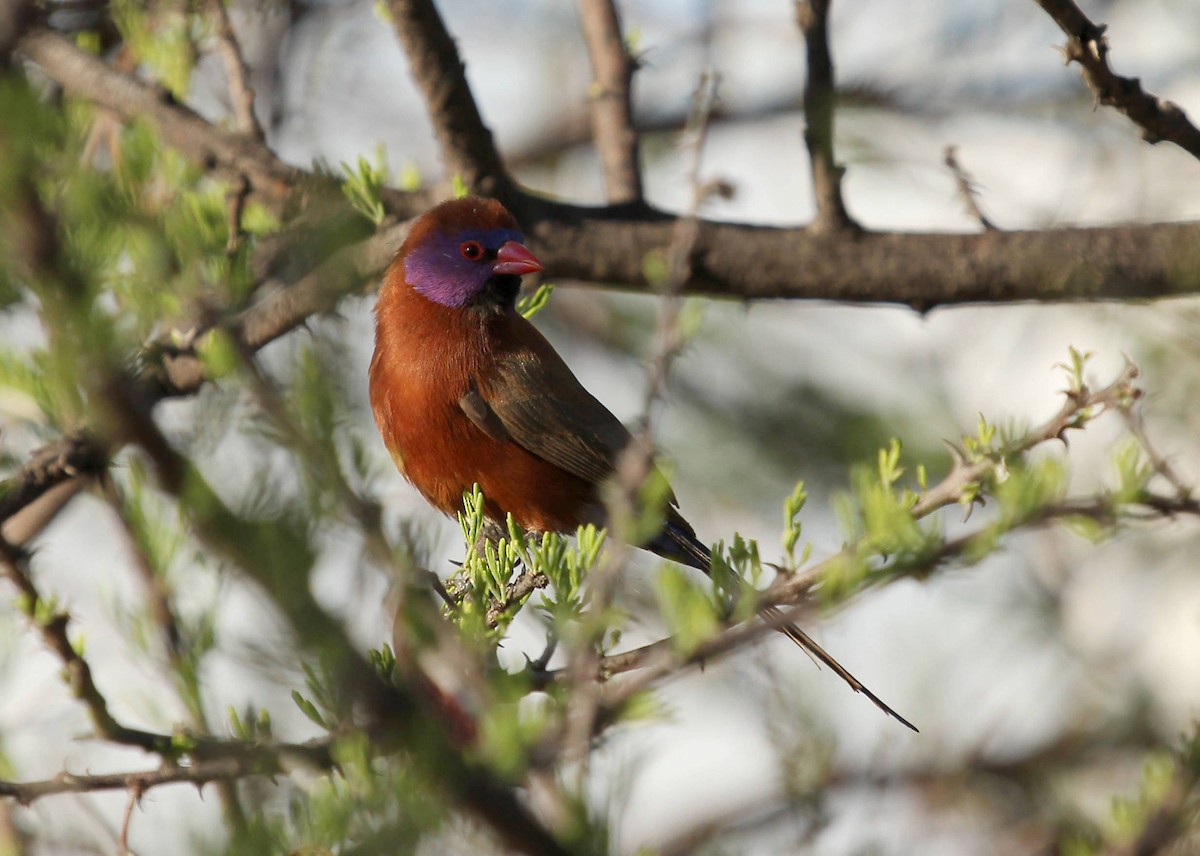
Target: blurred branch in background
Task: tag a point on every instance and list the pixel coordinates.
(610, 100)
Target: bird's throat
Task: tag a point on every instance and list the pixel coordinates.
(500, 292)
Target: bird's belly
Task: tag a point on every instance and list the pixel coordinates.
(444, 455)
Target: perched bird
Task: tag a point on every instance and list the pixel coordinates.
(466, 391)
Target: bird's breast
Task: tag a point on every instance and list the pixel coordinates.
(426, 359)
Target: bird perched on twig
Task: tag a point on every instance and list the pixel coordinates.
(466, 391)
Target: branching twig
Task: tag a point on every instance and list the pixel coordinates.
(230, 768)
(1117, 395)
(660, 659)
(1159, 120)
(610, 100)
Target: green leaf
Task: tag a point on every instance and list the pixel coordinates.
(532, 304)
(309, 710)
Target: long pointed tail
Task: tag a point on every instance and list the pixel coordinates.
(791, 631)
(678, 542)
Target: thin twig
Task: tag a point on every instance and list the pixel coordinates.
(968, 191)
(1136, 423)
(610, 100)
(174, 640)
(197, 774)
(53, 627)
(659, 659)
(135, 797)
(820, 95)
(240, 92)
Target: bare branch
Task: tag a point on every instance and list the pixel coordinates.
(820, 95)
(967, 189)
(610, 100)
(53, 624)
(200, 773)
(923, 271)
(466, 143)
(607, 246)
(240, 92)
(1159, 120)
(75, 455)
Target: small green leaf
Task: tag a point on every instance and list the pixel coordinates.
(309, 710)
(532, 304)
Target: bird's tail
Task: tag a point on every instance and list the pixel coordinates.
(678, 542)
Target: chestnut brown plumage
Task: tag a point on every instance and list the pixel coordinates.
(466, 391)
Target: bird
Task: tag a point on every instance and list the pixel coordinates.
(466, 391)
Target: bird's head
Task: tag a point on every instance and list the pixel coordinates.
(467, 252)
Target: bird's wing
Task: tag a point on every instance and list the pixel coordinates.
(546, 411)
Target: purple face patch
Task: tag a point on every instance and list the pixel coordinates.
(439, 269)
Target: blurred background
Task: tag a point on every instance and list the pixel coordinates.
(1039, 679)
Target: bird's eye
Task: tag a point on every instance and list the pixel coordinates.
(472, 250)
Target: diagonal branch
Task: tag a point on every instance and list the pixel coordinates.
(52, 624)
(1159, 120)
(968, 191)
(610, 100)
(228, 154)
(820, 95)
(240, 92)
(440, 74)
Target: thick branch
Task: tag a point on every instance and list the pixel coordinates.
(1159, 120)
(919, 270)
(819, 97)
(440, 74)
(610, 100)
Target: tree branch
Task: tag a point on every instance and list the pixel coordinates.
(199, 773)
(1159, 120)
(440, 74)
(52, 624)
(819, 97)
(240, 92)
(228, 154)
(610, 100)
